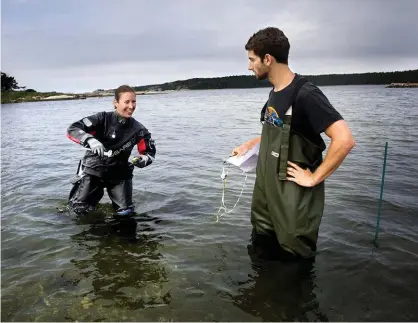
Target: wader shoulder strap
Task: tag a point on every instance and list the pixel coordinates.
(298, 85)
(284, 152)
(284, 147)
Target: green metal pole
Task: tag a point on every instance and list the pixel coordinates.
(381, 195)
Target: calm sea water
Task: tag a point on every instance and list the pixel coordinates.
(174, 262)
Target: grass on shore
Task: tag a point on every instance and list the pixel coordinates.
(24, 96)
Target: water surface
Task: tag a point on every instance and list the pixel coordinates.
(174, 262)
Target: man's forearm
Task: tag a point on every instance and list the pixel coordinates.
(336, 154)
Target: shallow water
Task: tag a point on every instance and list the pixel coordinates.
(174, 262)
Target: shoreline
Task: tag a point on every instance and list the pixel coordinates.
(39, 96)
(402, 85)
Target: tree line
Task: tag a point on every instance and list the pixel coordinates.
(249, 81)
(9, 83)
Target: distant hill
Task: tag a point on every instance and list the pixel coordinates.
(249, 81)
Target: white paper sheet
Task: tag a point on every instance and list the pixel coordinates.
(248, 161)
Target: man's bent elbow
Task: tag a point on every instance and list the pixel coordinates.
(349, 143)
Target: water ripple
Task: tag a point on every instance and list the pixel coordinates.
(174, 261)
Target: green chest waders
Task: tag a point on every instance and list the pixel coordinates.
(291, 211)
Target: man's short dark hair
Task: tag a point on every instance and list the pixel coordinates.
(271, 41)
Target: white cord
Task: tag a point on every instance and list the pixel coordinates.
(223, 206)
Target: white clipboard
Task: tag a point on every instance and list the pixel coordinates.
(248, 161)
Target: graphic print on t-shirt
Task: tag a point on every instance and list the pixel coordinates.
(272, 117)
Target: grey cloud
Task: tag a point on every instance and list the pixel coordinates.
(137, 31)
(362, 29)
(74, 50)
(84, 34)
(163, 33)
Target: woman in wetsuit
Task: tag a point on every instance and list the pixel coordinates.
(110, 138)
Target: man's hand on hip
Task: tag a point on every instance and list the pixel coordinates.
(300, 176)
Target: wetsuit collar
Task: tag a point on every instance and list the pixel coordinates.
(121, 119)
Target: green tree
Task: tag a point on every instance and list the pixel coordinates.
(8, 83)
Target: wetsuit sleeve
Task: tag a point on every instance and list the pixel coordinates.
(146, 149)
(146, 145)
(317, 108)
(84, 129)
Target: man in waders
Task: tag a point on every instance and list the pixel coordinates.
(288, 197)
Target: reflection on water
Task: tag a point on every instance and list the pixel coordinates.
(188, 267)
(280, 288)
(118, 265)
(115, 247)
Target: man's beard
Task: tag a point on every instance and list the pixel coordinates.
(262, 76)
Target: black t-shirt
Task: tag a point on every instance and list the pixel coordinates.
(312, 112)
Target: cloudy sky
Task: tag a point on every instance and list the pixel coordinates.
(83, 45)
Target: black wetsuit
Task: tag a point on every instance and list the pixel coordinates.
(114, 173)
